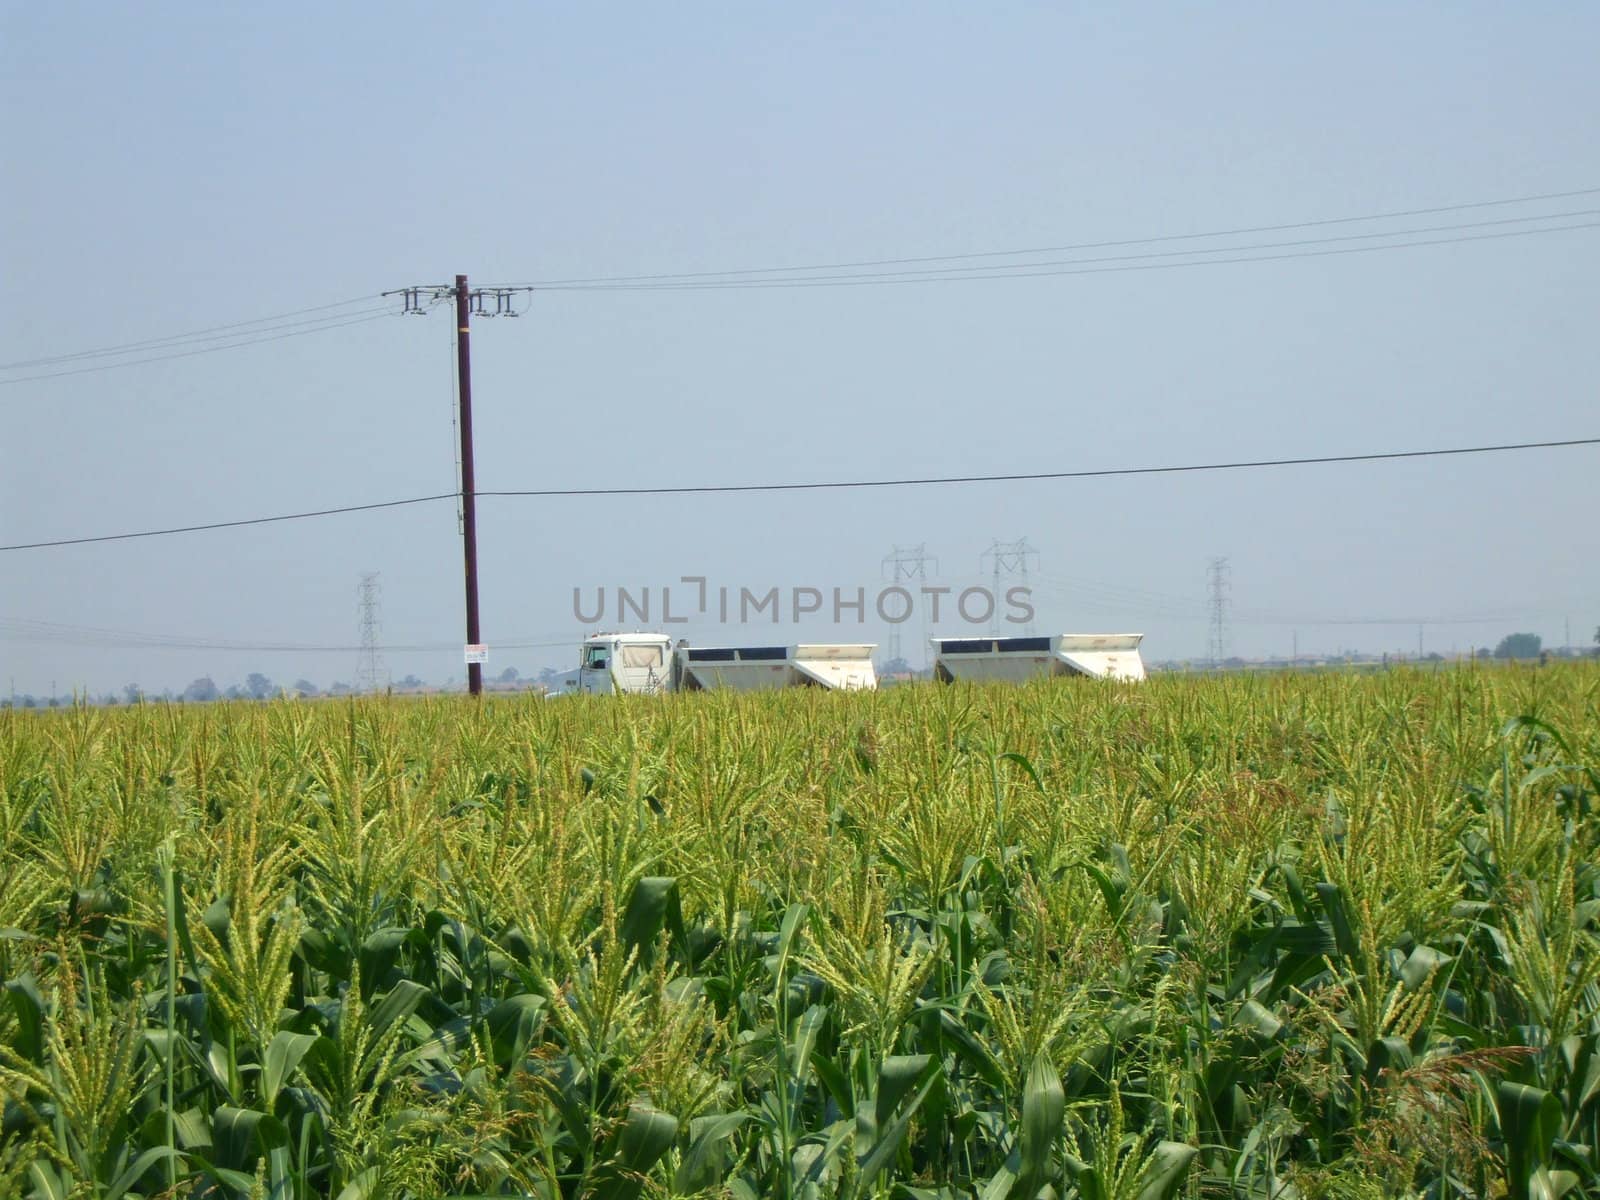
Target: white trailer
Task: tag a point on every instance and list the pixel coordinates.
(1018, 659)
(649, 662)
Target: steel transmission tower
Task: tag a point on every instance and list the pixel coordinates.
(1217, 581)
(899, 565)
(371, 674)
(1008, 559)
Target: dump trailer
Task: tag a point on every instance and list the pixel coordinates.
(650, 662)
(1017, 659)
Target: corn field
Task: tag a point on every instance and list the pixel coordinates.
(1270, 936)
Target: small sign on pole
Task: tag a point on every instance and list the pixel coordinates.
(476, 652)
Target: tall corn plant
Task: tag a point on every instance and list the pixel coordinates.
(1299, 935)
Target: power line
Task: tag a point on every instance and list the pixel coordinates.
(928, 481)
(805, 274)
(376, 314)
(16, 629)
(207, 333)
(1123, 598)
(299, 516)
(1025, 271)
(1166, 254)
(198, 340)
(196, 334)
(1023, 477)
(1070, 248)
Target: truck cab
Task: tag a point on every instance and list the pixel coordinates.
(625, 662)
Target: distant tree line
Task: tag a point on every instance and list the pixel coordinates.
(256, 686)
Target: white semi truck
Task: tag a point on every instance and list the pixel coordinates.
(650, 662)
(1017, 659)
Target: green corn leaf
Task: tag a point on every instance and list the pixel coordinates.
(400, 1002)
(1547, 1184)
(1386, 1054)
(512, 1024)
(835, 1079)
(1165, 1170)
(652, 906)
(890, 1136)
(1256, 1017)
(1297, 893)
(646, 1135)
(138, 1168)
(28, 1005)
(1530, 1120)
(814, 1155)
(322, 1060)
(48, 1181)
(1086, 1178)
(218, 918)
(702, 1164)
(897, 1076)
(237, 1180)
(279, 1062)
(240, 1135)
(1583, 1069)
(381, 952)
(998, 1186)
(362, 1186)
(1421, 964)
(1023, 761)
(1333, 903)
(193, 1130)
(805, 1040)
(1044, 1104)
(970, 1049)
(793, 919)
(1112, 890)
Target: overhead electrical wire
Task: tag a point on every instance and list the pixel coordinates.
(1197, 607)
(269, 328)
(1029, 476)
(195, 334)
(176, 529)
(1043, 270)
(18, 629)
(1409, 621)
(830, 485)
(341, 322)
(1106, 597)
(1076, 246)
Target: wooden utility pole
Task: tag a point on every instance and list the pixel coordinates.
(419, 299)
(469, 498)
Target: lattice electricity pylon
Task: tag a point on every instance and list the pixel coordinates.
(371, 673)
(1008, 559)
(901, 563)
(1217, 581)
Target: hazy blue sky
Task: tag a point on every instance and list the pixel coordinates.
(177, 167)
